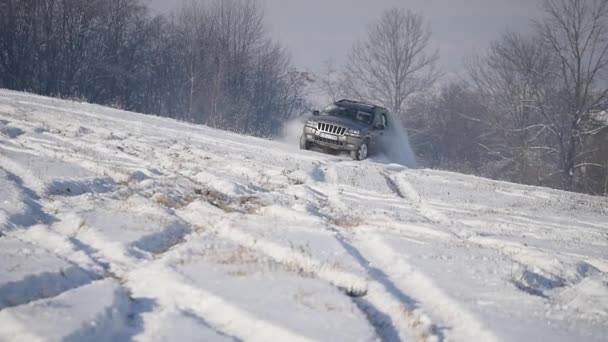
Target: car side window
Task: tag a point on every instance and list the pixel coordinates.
(383, 122)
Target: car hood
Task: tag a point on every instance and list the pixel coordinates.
(344, 122)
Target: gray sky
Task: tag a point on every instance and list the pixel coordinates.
(317, 30)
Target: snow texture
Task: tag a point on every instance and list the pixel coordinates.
(116, 226)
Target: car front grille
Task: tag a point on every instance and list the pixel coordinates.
(329, 128)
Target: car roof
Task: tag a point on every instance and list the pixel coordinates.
(359, 106)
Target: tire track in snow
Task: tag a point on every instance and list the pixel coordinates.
(173, 290)
(404, 189)
(89, 253)
(392, 318)
(393, 314)
(519, 253)
(411, 287)
(461, 324)
(386, 292)
(35, 287)
(390, 292)
(106, 312)
(115, 261)
(136, 275)
(44, 285)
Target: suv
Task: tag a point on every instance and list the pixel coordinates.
(346, 126)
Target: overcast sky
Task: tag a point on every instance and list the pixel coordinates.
(317, 30)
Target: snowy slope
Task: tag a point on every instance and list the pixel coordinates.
(120, 226)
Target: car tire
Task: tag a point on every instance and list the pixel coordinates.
(304, 144)
(361, 153)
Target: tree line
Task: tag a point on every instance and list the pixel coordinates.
(210, 63)
(531, 109)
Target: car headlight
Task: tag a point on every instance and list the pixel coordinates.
(311, 124)
(353, 132)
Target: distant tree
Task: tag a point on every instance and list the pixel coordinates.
(516, 80)
(329, 81)
(238, 40)
(121, 36)
(576, 32)
(190, 40)
(441, 130)
(393, 62)
(19, 41)
(229, 72)
(210, 62)
(71, 37)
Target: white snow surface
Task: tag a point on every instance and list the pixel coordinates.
(117, 226)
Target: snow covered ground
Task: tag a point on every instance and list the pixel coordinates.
(119, 226)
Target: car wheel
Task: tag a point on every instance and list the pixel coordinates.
(304, 144)
(361, 153)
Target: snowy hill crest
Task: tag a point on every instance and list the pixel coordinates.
(120, 226)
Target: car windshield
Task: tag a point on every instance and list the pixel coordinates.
(334, 110)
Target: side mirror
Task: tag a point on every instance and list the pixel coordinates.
(316, 113)
(379, 127)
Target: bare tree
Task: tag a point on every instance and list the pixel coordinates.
(392, 63)
(238, 37)
(439, 131)
(210, 62)
(232, 74)
(191, 32)
(329, 81)
(516, 82)
(577, 33)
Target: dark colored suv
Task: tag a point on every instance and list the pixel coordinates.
(346, 126)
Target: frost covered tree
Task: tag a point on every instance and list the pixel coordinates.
(439, 132)
(210, 62)
(393, 62)
(576, 31)
(516, 82)
(232, 74)
(542, 92)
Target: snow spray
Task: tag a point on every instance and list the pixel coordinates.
(292, 130)
(395, 144)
